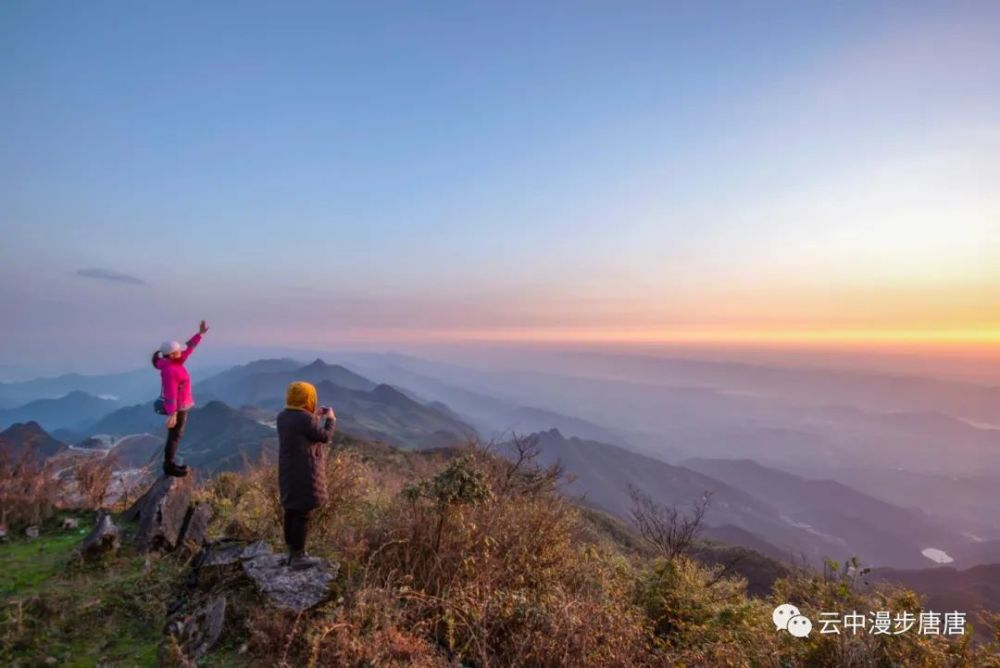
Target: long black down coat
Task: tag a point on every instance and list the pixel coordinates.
(303, 439)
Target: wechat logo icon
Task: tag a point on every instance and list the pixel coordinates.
(786, 617)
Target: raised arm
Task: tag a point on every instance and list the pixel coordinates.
(193, 342)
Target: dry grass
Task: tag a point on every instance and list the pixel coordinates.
(29, 490)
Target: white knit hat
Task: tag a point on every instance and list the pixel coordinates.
(168, 347)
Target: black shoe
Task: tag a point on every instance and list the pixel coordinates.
(174, 470)
(300, 561)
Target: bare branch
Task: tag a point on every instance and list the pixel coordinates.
(670, 532)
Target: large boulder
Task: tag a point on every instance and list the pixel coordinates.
(161, 513)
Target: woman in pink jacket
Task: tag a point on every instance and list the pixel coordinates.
(177, 396)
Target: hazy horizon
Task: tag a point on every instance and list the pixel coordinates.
(942, 365)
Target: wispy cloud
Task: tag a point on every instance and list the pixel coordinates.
(109, 275)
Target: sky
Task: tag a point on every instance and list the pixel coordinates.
(386, 174)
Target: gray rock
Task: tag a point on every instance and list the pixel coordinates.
(31, 532)
(70, 523)
(161, 512)
(228, 551)
(196, 633)
(285, 588)
(195, 525)
(255, 550)
(103, 539)
(223, 553)
(281, 586)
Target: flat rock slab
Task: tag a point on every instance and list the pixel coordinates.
(285, 588)
(280, 585)
(228, 552)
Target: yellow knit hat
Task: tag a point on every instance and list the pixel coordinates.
(301, 396)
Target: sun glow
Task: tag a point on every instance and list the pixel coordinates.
(958, 337)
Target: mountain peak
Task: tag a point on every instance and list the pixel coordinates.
(317, 363)
(24, 429)
(79, 394)
(217, 407)
(30, 434)
(391, 395)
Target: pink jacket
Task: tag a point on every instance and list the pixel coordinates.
(177, 395)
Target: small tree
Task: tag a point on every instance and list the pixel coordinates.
(522, 474)
(93, 480)
(669, 531)
(461, 482)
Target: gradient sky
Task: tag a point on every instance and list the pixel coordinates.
(380, 173)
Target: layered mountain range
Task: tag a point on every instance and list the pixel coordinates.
(786, 515)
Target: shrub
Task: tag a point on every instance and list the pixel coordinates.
(29, 490)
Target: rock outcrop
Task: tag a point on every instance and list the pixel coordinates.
(191, 636)
(285, 588)
(223, 576)
(104, 538)
(195, 526)
(278, 584)
(166, 519)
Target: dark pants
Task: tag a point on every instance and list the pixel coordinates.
(296, 527)
(174, 437)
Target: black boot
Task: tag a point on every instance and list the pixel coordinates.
(173, 469)
(298, 560)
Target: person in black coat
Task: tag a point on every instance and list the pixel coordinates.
(303, 436)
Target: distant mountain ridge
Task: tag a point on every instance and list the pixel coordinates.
(603, 472)
(71, 411)
(218, 437)
(878, 531)
(254, 394)
(18, 438)
(491, 415)
(138, 419)
(387, 414)
(128, 386)
(364, 408)
(265, 379)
